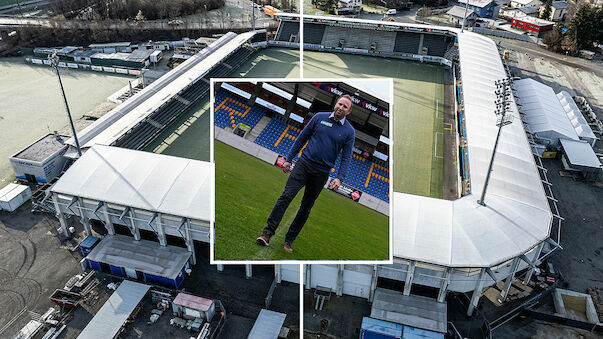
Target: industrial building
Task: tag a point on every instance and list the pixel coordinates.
(41, 161)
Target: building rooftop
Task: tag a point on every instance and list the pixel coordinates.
(476, 3)
(193, 302)
(523, 2)
(142, 255)
(559, 4)
(135, 56)
(43, 148)
(535, 21)
(111, 44)
(459, 12)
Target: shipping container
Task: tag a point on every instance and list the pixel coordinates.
(379, 329)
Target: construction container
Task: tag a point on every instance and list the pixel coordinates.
(88, 244)
(13, 196)
(379, 329)
(417, 333)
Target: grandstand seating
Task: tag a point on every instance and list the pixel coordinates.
(230, 111)
(313, 33)
(279, 135)
(436, 44)
(407, 42)
(286, 30)
(365, 175)
(371, 177)
(147, 130)
(358, 38)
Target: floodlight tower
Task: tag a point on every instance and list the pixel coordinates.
(503, 91)
(54, 62)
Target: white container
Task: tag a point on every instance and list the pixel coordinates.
(13, 196)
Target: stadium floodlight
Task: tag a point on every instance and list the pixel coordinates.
(54, 62)
(502, 106)
(465, 16)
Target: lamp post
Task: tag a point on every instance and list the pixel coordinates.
(54, 61)
(503, 91)
(465, 16)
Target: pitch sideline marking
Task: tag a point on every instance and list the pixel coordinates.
(435, 146)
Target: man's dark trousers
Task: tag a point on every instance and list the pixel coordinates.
(301, 175)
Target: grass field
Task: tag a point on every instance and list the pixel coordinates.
(246, 190)
(418, 141)
(188, 136)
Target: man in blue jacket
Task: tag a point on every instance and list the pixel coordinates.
(327, 134)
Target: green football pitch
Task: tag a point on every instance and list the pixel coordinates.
(246, 190)
(418, 118)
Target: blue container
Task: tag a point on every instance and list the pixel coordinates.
(379, 329)
(88, 244)
(94, 265)
(117, 270)
(417, 333)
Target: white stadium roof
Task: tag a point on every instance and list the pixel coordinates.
(576, 118)
(462, 233)
(543, 111)
(147, 181)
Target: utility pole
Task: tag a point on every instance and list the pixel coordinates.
(54, 61)
(503, 91)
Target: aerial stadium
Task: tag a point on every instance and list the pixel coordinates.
(445, 130)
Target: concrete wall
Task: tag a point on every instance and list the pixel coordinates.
(245, 145)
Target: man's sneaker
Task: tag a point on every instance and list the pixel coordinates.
(287, 247)
(263, 240)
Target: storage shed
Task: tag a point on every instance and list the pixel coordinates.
(41, 161)
(579, 156)
(192, 307)
(13, 195)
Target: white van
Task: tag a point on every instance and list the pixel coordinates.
(391, 12)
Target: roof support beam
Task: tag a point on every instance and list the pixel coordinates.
(308, 269)
(190, 245)
(60, 215)
(505, 292)
(83, 218)
(530, 272)
(409, 275)
(339, 291)
(373, 283)
(160, 228)
(444, 285)
(477, 293)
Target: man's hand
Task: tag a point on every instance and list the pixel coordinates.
(335, 184)
(286, 167)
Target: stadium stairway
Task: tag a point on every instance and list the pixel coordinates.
(278, 136)
(259, 127)
(230, 111)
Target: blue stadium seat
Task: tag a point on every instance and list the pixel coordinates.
(230, 111)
